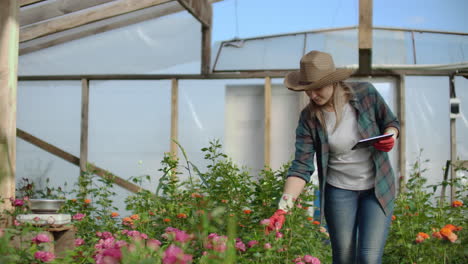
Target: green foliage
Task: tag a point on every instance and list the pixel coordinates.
(225, 202)
(418, 210)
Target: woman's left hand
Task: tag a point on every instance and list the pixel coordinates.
(385, 144)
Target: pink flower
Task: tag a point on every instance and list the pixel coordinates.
(36, 219)
(41, 238)
(267, 246)
(216, 242)
(18, 202)
(78, 217)
(153, 244)
(104, 235)
(265, 222)
(110, 256)
(240, 246)
(279, 235)
(177, 235)
(79, 242)
(252, 243)
(310, 259)
(16, 223)
(44, 256)
(175, 255)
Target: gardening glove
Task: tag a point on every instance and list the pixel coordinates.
(385, 144)
(277, 220)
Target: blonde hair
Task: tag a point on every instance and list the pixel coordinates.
(342, 93)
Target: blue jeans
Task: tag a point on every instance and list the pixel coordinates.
(357, 225)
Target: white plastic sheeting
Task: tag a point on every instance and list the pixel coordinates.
(49, 110)
(169, 44)
(428, 124)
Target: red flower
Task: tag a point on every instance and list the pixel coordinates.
(247, 211)
(457, 203)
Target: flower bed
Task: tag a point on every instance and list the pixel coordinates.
(218, 215)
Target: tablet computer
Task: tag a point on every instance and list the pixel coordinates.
(363, 143)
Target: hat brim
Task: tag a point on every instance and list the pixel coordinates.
(292, 80)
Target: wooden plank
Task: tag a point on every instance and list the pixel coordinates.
(365, 36)
(453, 142)
(100, 27)
(84, 125)
(29, 2)
(74, 160)
(174, 115)
(54, 8)
(9, 32)
(83, 17)
(267, 135)
(402, 134)
(200, 9)
(206, 50)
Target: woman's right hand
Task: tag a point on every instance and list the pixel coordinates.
(277, 220)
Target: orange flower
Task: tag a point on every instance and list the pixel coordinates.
(305, 207)
(310, 218)
(224, 201)
(87, 201)
(127, 220)
(167, 220)
(114, 214)
(73, 200)
(446, 231)
(247, 211)
(437, 235)
(196, 195)
(181, 215)
(457, 203)
(135, 217)
(316, 223)
(393, 217)
(151, 213)
(423, 235)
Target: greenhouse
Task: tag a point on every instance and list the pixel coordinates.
(162, 144)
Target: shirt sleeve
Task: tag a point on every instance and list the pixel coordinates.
(303, 164)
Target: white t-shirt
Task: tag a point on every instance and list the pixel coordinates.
(347, 169)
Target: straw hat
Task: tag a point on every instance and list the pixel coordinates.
(317, 70)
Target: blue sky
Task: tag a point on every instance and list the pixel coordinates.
(269, 17)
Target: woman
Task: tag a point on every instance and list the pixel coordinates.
(357, 187)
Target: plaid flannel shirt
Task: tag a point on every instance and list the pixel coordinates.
(373, 117)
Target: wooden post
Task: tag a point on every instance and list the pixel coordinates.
(365, 36)
(206, 50)
(9, 36)
(453, 142)
(84, 125)
(174, 114)
(402, 134)
(267, 136)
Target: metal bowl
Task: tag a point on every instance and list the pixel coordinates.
(45, 206)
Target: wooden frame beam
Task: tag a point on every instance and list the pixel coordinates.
(174, 115)
(401, 94)
(75, 160)
(96, 27)
(54, 8)
(365, 36)
(267, 120)
(84, 126)
(200, 9)
(29, 2)
(8, 86)
(83, 17)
